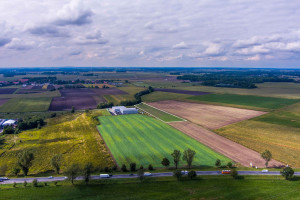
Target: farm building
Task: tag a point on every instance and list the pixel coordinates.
(9, 122)
(123, 110)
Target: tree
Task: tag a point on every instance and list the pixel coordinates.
(218, 163)
(141, 167)
(229, 164)
(56, 162)
(287, 173)
(176, 157)
(133, 167)
(25, 159)
(124, 168)
(72, 172)
(140, 174)
(35, 183)
(188, 156)
(267, 156)
(16, 170)
(192, 174)
(165, 162)
(150, 167)
(73, 109)
(87, 170)
(234, 173)
(177, 174)
(8, 130)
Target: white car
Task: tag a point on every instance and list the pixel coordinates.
(50, 177)
(147, 174)
(104, 176)
(4, 178)
(265, 171)
(184, 172)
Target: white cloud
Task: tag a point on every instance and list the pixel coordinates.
(180, 45)
(213, 49)
(253, 58)
(18, 44)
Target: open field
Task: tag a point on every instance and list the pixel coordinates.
(209, 116)
(145, 140)
(7, 90)
(26, 105)
(161, 96)
(245, 100)
(204, 187)
(232, 150)
(181, 91)
(32, 95)
(280, 90)
(158, 113)
(129, 93)
(74, 136)
(3, 101)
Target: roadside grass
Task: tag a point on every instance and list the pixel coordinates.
(158, 113)
(282, 141)
(161, 96)
(75, 136)
(245, 100)
(145, 140)
(26, 105)
(204, 187)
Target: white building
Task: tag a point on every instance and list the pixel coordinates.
(9, 122)
(123, 110)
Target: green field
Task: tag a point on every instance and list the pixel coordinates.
(158, 113)
(245, 100)
(161, 96)
(75, 136)
(204, 187)
(26, 105)
(145, 140)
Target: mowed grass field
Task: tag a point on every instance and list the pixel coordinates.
(204, 187)
(158, 113)
(26, 105)
(145, 140)
(161, 96)
(277, 131)
(75, 136)
(245, 100)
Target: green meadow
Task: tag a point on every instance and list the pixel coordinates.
(145, 140)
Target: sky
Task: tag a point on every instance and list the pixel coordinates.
(156, 33)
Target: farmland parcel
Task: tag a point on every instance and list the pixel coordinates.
(145, 140)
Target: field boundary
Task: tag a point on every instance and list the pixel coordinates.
(183, 120)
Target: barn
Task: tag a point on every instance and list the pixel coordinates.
(122, 110)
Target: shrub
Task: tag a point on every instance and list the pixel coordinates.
(55, 183)
(25, 183)
(177, 174)
(234, 173)
(229, 164)
(45, 183)
(35, 183)
(287, 173)
(124, 168)
(165, 162)
(150, 167)
(132, 167)
(14, 184)
(141, 167)
(218, 163)
(53, 115)
(192, 174)
(106, 169)
(114, 168)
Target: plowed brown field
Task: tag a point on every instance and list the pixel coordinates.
(209, 116)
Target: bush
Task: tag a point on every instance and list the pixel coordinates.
(53, 115)
(234, 173)
(25, 183)
(114, 168)
(229, 164)
(287, 173)
(132, 167)
(192, 174)
(45, 183)
(218, 163)
(177, 174)
(55, 183)
(141, 167)
(105, 105)
(8, 130)
(35, 183)
(124, 168)
(165, 162)
(14, 184)
(106, 169)
(150, 167)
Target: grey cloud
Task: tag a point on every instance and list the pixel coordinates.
(49, 31)
(4, 41)
(91, 38)
(75, 53)
(19, 44)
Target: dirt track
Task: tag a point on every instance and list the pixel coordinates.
(232, 150)
(209, 116)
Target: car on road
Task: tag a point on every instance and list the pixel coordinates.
(184, 172)
(265, 171)
(104, 176)
(226, 171)
(4, 178)
(50, 177)
(147, 174)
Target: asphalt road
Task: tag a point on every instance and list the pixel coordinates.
(162, 174)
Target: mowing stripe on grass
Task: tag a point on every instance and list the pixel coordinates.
(145, 140)
(159, 114)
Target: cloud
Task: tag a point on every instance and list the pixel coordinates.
(74, 13)
(180, 45)
(19, 44)
(213, 49)
(259, 49)
(91, 38)
(253, 58)
(75, 53)
(49, 31)
(4, 41)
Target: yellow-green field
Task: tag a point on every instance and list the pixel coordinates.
(26, 105)
(74, 136)
(116, 99)
(161, 96)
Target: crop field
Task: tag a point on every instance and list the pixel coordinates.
(245, 100)
(161, 96)
(158, 113)
(26, 105)
(209, 116)
(279, 90)
(145, 140)
(31, 95)
(7, 90)
(75, 136)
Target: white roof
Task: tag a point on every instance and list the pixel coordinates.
(118, 107)
(8, 122)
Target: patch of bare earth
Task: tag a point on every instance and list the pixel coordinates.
(209, 116)
(232, 150)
